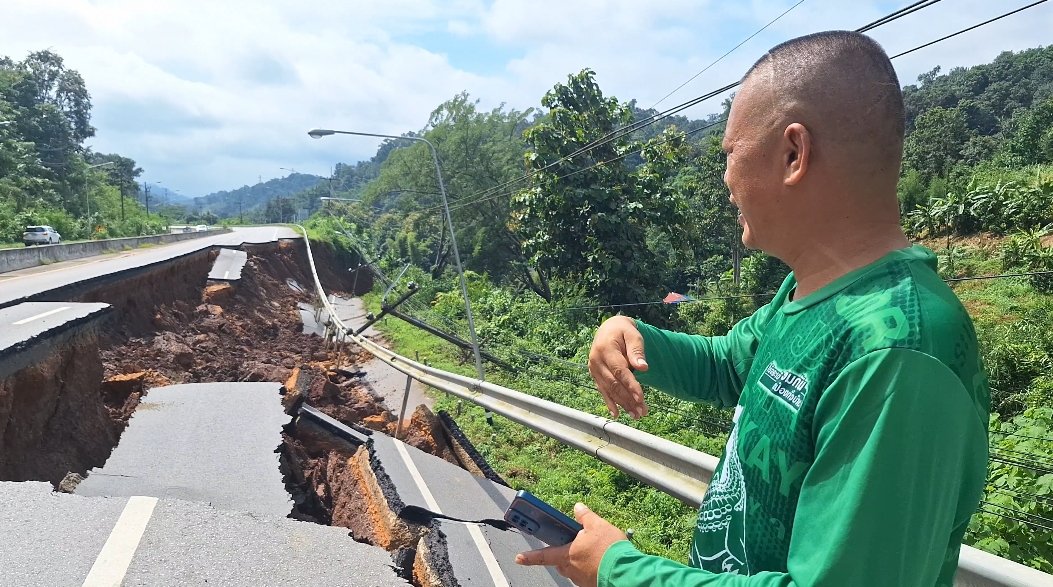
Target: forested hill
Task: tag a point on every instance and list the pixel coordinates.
(247, 198)
(997, 115)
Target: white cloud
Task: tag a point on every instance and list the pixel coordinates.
(209, 95)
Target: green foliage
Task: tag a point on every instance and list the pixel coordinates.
(937, 141)
(1018, 492)
(1001, 208)
(584, 222)
(593, 219)
(1030, 134)
(46, 174)
(1025, 252)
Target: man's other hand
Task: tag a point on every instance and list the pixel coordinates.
(616, 351)
(578, 561)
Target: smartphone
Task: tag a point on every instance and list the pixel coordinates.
(540, 520)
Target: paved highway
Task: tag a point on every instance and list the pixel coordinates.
(228, 265)
(207, 442)
(57, 539)
(21, 324)
(478, 554)
(16, 286)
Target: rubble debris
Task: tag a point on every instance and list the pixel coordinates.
(69, 483)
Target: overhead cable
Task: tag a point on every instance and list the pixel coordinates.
(975, 26)
(729, 52)
(633, 127)
(489, 193)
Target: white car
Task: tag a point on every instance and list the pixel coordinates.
(40, 235)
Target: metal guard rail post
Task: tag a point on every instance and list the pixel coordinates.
(665, 465)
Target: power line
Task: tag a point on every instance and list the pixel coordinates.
(1015, 519)
(467, 201)
(1037, 462)
(729, 52)
(633, 127)
(1022, 513)
(1023, 465)
(489, 193)
(772, 294)
(1023, 494)
(975, 26)
(661, 406)
(906, 10)
(1000, 275)
(1019, 435)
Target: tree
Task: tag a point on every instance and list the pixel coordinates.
(587, 217)
(1030, 136)
(477, 150)
(50, 84)
(937, 141)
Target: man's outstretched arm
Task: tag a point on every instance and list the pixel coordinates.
(691, 367)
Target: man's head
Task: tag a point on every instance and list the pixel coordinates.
(814, 141)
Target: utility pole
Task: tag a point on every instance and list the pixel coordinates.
(122, 198)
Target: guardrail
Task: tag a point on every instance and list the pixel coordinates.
(665, 465)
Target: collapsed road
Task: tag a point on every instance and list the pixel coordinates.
(158, 426)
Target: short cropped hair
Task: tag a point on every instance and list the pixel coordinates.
(849, 80)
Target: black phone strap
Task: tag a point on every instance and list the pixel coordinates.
(418, 515)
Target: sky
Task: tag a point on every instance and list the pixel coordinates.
(209, 95)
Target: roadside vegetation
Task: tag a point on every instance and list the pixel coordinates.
(47, 173)
(615, 228)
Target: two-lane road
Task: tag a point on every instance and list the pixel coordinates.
(16, 286)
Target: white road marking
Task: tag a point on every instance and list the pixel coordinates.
(226, 274)
(40, 315)
(116, 555)
(275, 237)
(481, 545)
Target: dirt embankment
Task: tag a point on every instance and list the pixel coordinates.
(52, 419)
(168, 325)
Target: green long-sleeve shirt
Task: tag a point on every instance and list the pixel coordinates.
(859, 449)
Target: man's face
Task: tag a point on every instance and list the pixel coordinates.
(754, 171)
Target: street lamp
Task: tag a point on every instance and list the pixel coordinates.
(324, 132)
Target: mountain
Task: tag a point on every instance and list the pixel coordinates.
(247, 198)
(176, 198)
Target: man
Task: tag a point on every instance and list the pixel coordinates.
(859, 448)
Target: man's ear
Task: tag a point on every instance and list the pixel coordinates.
(798, 153)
